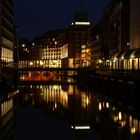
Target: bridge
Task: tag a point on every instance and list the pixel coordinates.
(54, 69)
(46, 82)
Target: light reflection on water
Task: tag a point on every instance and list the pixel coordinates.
(44, 76)
(8, 114)
(88, 114)
(82, 110)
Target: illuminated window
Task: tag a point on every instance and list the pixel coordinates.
(83, 51)
(83, 55)
(83, 46)
(7, 55)
(6, 106)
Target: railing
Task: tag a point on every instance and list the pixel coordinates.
(9, 65)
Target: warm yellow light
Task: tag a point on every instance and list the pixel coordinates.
(122, 57)
(100, 106)
(123, 123)
(31, 63)
(120, 116)
(115, 58)
(132, 56)
(83, 46)
(83, 55)
(41, 63)
(87, 101)
(107, 105)
(30, 74)
(83, 51)
(115, 118)
(100, 61)
(133, 130)
(23, 77)
(87, 50)
(82, 23)
(6, 106)
(55, 105)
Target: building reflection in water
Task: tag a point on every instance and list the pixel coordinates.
(85, 111)
(124, 120)
(8, 110)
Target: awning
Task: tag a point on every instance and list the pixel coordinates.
(133, 53)
(118, 55)
(137, 53)
(128, 54)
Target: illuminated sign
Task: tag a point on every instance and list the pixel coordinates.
(80, 127)
(82, 23)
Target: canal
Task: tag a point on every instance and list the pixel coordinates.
(64, 110)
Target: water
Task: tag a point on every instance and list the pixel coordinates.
(67, 112)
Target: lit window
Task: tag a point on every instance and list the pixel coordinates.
(83, 46)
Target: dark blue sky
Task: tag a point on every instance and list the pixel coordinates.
(34, 17)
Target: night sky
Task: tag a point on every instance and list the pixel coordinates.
(34, 17)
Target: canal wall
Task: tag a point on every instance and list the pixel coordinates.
(121, 86)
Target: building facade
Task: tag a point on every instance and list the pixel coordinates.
(127, 58)
(77, 37)
(6, 43)
(47, 50)
(134, 24)
(60, 48)
(118, 43)
(6, 32)
(119, 26)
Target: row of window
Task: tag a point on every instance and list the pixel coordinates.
(7, 55)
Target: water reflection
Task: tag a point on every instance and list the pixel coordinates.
(88, 114)
(8, 111)
(35, 76)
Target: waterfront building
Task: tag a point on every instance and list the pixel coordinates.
(99, 40)
(119, 26)
(6, 44)
(24, 49)
(45, 51)
(117, 46)
(51, 51)
(111, 34)
(128, 58)
(77, 36)
(59, 48)
(96, 46)
(134, 24)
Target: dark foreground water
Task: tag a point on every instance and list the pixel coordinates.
(64, 112)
